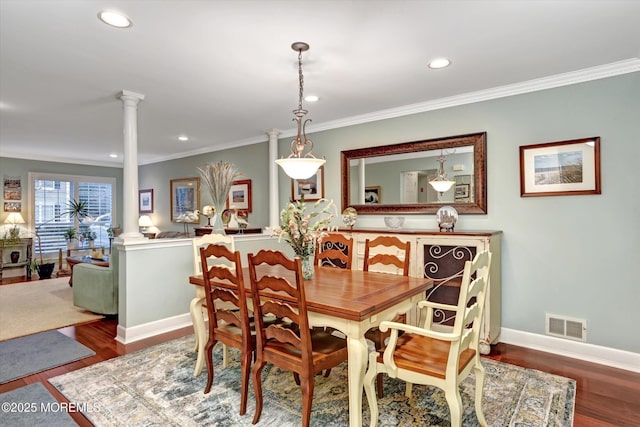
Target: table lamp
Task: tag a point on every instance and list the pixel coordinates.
(14, 218)
(145, 222)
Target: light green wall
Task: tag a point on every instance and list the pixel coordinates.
(251, 160)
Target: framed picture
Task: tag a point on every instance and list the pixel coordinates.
(240, 195)
(185, 197)
(12, 206)
(565, 168)
(145, 201)
(462, 191)
(372, 195)
(311, 188)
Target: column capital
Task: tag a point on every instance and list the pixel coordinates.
(272, 132)
(127, 95)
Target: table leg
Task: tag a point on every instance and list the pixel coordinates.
(200, 332)
(357, 348)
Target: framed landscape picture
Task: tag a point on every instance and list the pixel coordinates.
(240, 195)
(311, 188)
(564, 168)
(185, 197)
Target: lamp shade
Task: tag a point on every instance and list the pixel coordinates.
(441, 186)
(145, 221)
(300, 168)
(14, 218)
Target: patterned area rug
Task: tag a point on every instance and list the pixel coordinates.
(156, 386)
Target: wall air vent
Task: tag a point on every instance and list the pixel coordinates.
(566, 327)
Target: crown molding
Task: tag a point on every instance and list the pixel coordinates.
(588, 74)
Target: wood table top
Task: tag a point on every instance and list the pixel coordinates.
(349, 294)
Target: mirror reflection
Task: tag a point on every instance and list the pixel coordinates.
(407, 177)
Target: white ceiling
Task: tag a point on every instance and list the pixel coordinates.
(222, 72)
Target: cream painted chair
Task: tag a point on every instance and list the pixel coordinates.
(441, 359)
(197, 308)
(386, 254)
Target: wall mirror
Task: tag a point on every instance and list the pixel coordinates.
(395, 178)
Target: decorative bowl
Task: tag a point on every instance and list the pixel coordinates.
(394, 221)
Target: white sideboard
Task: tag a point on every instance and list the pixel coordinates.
(440, 256)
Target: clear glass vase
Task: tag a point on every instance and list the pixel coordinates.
(216, 223)
(307, 267)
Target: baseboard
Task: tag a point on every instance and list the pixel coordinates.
(578, 350)
(147, 330)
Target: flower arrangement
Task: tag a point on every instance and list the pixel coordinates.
(219, 178)
(301, 229)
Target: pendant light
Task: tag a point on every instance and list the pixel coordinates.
(441, 184)
(301, 163)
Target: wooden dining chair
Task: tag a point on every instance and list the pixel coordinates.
(228, 323)
(442, 359)
(385, 254)
(292, 346)
(335, 250)
(197, 307)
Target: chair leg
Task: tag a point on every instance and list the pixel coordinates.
(380, 347)
(208, 356)
(246, 366)
(455, 405)
(306, 387)
(479, 373)
(256, 377)
(296, 377)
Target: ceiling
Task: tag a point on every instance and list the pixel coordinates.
(222, 72)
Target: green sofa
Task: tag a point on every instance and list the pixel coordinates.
(96, 288)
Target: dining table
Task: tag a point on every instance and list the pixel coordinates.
(351, 301)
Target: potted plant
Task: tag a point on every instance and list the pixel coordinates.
(70, 237)
(75, 209)
(89, 237)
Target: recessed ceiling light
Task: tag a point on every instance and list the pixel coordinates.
(113, 156)
(311, 98)
(183, 138)
(439, 63)
(115, 19)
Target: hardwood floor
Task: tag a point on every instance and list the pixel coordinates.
(605, 396)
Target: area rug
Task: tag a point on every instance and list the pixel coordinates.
(34, 353)
(32, 405)
(30, 307)
(156, 386)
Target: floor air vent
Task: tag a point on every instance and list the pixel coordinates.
(566, 327)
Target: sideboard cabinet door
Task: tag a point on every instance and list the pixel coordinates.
(442, 259)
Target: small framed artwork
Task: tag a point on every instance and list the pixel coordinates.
(185, 197)
(311, 188)
(372, 195)
(462, 191)
(240, 195)
(12, 206)
(565, 168)
(145, 201)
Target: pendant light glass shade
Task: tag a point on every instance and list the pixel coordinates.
(300, 164)
(441, 184)
(300, 168)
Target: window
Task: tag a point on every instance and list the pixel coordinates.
(50, 196)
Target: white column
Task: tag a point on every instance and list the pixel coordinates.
(274, 208)
(361, 178)
(130, 229)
